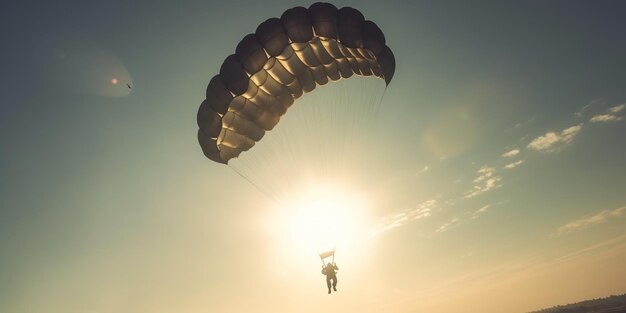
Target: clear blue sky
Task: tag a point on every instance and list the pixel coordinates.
(507, 120)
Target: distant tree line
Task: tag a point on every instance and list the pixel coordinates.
(611, 304)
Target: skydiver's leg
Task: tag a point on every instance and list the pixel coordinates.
(328, 283)
(335, 283)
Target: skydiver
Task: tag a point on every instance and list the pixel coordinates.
(330, 270)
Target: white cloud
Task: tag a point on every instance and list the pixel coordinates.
(485, 172)
(616, 109)
(420, 211)
(591, 220)
(511, 153)
(544, 142)
(568, 134)
(486, 181)
(479, 212)
(447, 225)
(514, 164)
(426, 205)
(605, 118)
(610, 115)
(550, 140)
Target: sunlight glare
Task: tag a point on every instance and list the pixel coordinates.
(325, 218)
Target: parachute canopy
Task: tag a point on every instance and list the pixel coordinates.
(285, 58)
(327, 254)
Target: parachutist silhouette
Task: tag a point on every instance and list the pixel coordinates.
(330, 270)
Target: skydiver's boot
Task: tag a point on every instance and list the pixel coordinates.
(329, 290)
(334, 288)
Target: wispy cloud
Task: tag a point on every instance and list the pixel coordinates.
(524, 123)
(616, 109)
(514, 164)
(550, 140)
(485, 173)
(480, 212)
(544, 142)
(423, 209)
(420, 211)
(423, 170)
(511, 153)
(587, 221)
(447, 225)
(486, 180)
(610, 115)
(567, 135)
(579, 113)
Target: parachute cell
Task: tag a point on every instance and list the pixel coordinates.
(251, 54)
(349, 24)
(324, 17)
(272, 36)
(297, 22)
(217, 95)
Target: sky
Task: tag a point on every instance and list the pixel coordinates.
(499, 182)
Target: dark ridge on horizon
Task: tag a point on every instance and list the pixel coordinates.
(611, 304)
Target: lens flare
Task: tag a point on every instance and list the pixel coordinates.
(71, 62)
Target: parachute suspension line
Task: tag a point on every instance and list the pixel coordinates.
(256, 185)
(325, 134)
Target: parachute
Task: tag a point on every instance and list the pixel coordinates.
(327, 254)
(272, 68)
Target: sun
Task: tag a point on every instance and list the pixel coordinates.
(325, 217)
